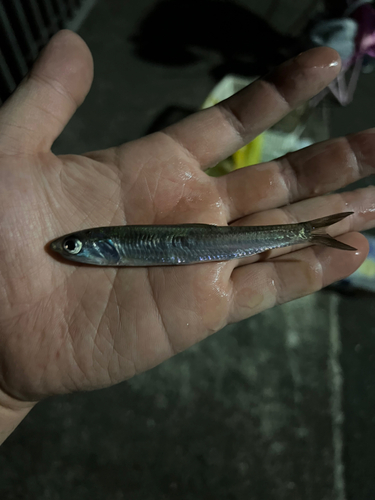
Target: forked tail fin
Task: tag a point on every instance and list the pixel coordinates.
(318, 236)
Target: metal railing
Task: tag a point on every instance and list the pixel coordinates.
(25, 28)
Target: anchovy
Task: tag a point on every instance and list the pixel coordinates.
(171, 245)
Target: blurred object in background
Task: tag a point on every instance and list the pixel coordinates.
(300, 128)
(25, 28)
(347, 26)
(353, 36)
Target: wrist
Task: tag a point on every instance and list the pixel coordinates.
(12, 412)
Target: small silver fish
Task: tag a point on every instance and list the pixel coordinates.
(150, 245)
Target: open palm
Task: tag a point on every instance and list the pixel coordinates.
(65, 327)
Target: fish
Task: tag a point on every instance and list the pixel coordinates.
(174, 245)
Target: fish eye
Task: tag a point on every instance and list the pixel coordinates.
(72, 245)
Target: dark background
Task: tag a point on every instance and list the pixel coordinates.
(280, 406)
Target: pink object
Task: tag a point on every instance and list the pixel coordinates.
(364, 15)
(365, 39)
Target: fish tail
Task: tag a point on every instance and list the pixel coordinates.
(318, 235)
(328, 220)
(328, 241)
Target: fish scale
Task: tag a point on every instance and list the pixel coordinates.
(153, 245)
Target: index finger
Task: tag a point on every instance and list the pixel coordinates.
(215, 133)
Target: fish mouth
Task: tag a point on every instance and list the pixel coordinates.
(56, 246)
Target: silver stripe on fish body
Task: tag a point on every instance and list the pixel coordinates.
(171, 245)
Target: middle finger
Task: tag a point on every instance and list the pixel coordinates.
(310, 172)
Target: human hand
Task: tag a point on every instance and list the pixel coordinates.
(65, 327)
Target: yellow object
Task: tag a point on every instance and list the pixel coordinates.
(251, 154)
(367, 268)
(284, 137)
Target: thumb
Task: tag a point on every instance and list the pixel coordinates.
(37, 112)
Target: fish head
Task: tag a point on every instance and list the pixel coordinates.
(86, 247)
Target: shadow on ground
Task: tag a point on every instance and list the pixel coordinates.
(179, 34)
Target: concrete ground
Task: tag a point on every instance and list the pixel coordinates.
(280, 406)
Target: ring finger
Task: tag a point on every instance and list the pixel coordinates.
(310, 172)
